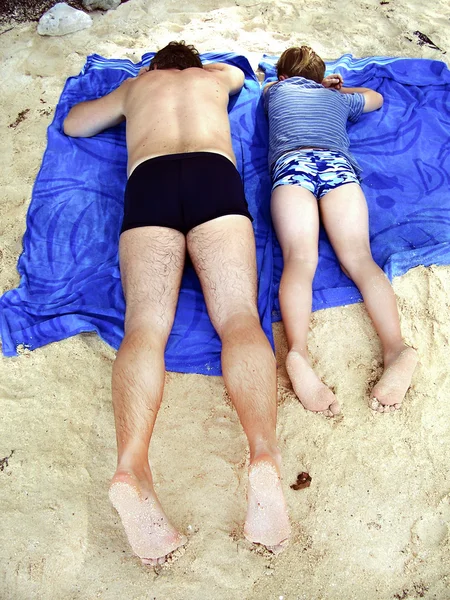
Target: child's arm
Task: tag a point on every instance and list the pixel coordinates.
(372, 100)
(333, 81)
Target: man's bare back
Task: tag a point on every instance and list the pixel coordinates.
(165, 112)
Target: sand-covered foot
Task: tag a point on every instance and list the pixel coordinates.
(267, 519)
(388, 393)
(151, 535)
(312, 393)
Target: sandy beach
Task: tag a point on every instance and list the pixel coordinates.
(374, 523)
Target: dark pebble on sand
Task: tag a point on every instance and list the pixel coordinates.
(303, 481)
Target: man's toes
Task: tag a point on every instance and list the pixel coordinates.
(152, 562)
(328, 413)
(397, 406)
(279, 547)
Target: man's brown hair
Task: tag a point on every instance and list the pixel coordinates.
(176, 55)
(301, 62)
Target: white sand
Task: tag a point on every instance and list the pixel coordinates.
(373, 525)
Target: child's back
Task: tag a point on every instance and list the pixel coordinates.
(303, 113)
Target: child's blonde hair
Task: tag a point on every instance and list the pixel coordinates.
(301, 62)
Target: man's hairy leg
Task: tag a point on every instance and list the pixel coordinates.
(151, 263)
(345, 218)
(223, 254)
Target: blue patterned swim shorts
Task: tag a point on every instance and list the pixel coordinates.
(318, 171)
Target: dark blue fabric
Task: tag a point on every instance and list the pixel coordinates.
(70, 279)
(404, 150)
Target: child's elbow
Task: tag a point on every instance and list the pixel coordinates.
(373, 101)
(380, 99)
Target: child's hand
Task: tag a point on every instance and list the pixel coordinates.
(333, 81)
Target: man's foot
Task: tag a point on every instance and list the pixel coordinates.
(267, 519)
(151, 535)
(388, 394)
(312, 393)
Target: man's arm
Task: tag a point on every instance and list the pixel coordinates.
(86, 119)
(233, 76)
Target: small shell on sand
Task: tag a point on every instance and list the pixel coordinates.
(303, 481)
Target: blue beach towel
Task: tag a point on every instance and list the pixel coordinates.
(69, 269)
(404, 150)
(70, 280)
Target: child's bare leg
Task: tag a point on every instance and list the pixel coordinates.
(296, 220)
(345, 218)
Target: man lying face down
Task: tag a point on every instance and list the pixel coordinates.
(184, 193)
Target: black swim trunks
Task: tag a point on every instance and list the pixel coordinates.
(182, 191)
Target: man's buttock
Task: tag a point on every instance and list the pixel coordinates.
(182, 191)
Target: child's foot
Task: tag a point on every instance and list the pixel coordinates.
(388, 393)
(312, 393)
(148, 529)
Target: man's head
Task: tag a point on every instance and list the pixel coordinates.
(176, 55)
(301, 62)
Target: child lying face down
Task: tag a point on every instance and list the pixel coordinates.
(316, 177)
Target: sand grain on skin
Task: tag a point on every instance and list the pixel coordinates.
(267, 521)
(150, 534)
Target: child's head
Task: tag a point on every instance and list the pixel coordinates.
(176, 55)
(301, 62)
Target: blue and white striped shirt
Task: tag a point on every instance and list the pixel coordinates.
(303, 113)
